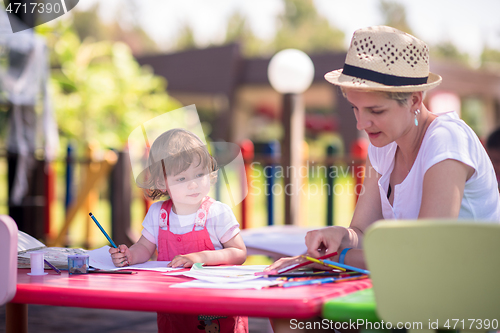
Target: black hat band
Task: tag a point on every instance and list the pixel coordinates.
(385, 79)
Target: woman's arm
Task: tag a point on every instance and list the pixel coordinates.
(443, 189)
(334, 239)
(368, 210)
(233, 253)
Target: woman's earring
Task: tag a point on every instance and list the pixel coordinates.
(417, 111)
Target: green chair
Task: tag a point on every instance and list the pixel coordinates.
(443, 274)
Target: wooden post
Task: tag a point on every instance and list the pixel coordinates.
(121, 200)
(247, 151)
(359, 152)
(331, 152)
(50, 181)
(16, 318)
(271, 150)
(293, 123)
(93, 195)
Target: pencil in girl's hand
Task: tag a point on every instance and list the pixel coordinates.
(103, 231)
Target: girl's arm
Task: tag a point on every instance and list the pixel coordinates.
(138, 253)
(233, 253)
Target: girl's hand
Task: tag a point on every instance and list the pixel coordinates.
(121, 256)
(182, 261)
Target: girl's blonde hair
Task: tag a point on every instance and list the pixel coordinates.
(178, 150)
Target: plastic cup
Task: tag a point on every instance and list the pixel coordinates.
(37, 263)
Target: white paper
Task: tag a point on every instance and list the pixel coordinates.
(284, 240)
(254, 284)
(224, 274)
(101, 259)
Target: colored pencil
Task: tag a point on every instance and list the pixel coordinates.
(317, 274)
(329, 262)
(103, 231)
(113, 272)
(52, 266)
(322, 281)
(322, 262)
(292, 267)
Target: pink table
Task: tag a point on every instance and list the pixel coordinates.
(149, 291)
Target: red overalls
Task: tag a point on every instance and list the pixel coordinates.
(170, 245)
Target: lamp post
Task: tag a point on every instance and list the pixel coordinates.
(290, 73)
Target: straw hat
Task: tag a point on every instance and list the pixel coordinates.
(386, 59)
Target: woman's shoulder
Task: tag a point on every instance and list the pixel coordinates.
(449, 129)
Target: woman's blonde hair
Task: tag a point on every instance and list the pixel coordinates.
(178, 149)
(398, 96)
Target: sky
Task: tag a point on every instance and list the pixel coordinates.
(469, 25)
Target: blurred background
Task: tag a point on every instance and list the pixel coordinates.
(73, 89)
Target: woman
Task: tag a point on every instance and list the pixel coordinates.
(419, 165)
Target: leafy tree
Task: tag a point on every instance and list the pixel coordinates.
(238, 31)
(303, 28)
(100, 93)
(186, 38)
(395, 15)
(88, 24)
(449, 52)
(490, 58)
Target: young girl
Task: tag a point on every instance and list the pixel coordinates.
(189, 227)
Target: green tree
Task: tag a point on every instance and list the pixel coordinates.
(89, 25)
(186, 39)
(449, 52)
(395, 15)
(100, 93)
(238, 31)
(303, 28)
(490, 58)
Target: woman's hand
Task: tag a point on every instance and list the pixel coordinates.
(121, 256)
(289, 261)
(323, 241)
(184, 261)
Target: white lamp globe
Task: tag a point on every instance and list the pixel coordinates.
(290, 71)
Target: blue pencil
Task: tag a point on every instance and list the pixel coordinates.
(103, 231)
(364, 271)
(324, 280)
(308, 282)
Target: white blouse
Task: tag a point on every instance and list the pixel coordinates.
(447, 137)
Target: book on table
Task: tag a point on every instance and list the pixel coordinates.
(57, 256)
